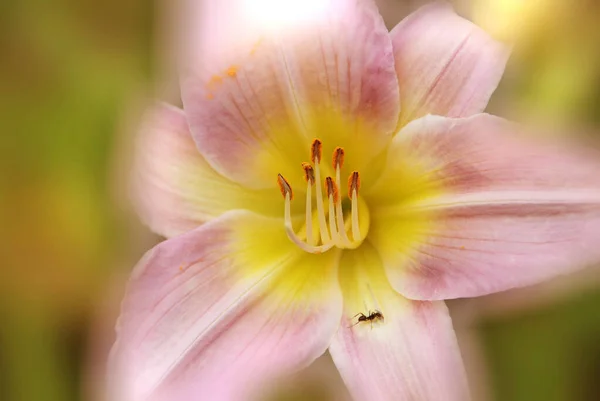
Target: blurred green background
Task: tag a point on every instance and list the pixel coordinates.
(73, 78)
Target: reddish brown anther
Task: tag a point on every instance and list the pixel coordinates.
(338, 157)
(353, 183)
(315, 151)
(284, 186)
(331, 189)
(309, 173)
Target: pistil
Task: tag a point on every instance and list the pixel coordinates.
(338, 161)
(315, 157)
(332, 195)
(353, 187)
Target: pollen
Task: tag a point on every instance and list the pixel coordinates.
(309, 173)
(315, 151)
(353, 183)
(331, 189)
(338, 158)
(232, 71)
(284, 187)
(214, 81)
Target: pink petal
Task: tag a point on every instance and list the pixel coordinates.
(510, 211)
(411, 355)
(258, 91)
(446, 65)
(218, 310)
(174, 189)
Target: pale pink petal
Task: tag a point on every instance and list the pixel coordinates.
(411, 354)
(265, 78)
(174, 189)
(501, 210)
(446, 65)
(216, 311)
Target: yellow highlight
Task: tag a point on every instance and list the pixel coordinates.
(289, 145)
(261, 248)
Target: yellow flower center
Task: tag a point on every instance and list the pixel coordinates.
(335, 229)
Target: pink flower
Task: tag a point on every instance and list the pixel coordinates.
(393, 211)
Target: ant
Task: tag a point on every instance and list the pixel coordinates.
(373, 315)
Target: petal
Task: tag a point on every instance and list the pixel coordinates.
(279, 76)
(411, 354)
(499, 211)
(174, 189)
(220, 309)
(446, 65)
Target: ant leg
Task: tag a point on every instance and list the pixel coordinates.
(358, 314)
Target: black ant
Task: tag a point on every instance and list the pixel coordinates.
(373, 315)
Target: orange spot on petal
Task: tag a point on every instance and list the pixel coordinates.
(232, 71)
(215, 80)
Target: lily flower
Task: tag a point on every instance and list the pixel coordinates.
(326, 186)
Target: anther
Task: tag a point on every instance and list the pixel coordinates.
(284, 187)
(309, 173)
(338, 158)
(315, 151)
(353, 183)
(331, 189)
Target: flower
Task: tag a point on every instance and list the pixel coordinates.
(395, 193)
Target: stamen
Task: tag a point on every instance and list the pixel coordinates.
(309, 173)
(331, 189)
(338, 157)
(284, 187)
(315, 156)
(289, 230)
(353, 187)
(353, 183)
(332, 232)
(315, 151)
